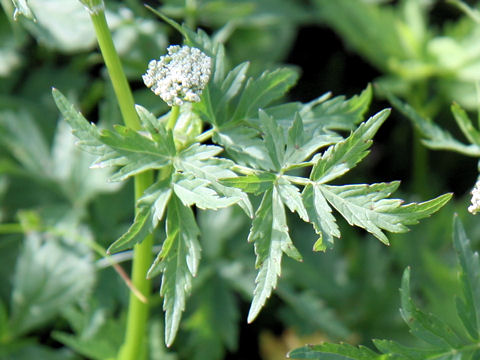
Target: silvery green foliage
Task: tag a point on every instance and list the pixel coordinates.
(179, 76)
(441, 341)
(258, 144)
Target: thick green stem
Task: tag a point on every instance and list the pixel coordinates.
(172, 119)
(134, 346)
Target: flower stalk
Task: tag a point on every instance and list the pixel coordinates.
(134, 346)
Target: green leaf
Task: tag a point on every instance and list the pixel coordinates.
(436, 138)
(136, 233)
(425, 326)
(137, 152)
(63, 25)
(98, 337)
(312, 310)
(290, 195)
(245, 147)
(396, 350)
(213, 324)
(469, 307)
(274, 139)
(21, 135)
(343, 156)
(48, 276)
(365, 206)
(320, 215)
(87, 133)
(133, 151)
(178, 261)
(465, 124)
(335, 352)
(199, 162)
(260, 92)
(197, 191)
(256, 183)
(269, 232)
(337, 113)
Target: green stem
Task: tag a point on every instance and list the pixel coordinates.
(172, 119)
(134, 346)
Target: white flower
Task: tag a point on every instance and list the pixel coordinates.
(179, 76)
(475, 207)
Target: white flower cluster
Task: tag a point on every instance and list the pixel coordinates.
(179, 76)
(475, 207)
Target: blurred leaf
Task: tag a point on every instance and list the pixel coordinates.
(468, 308)
(213, 324)
(96, 336)
(436, 138)
(49, 276)
(63, 25)
(335, 352)
(28, 349)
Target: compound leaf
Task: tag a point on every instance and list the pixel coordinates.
(365, 206)
(260, 92)
(178, 261)
(343, 156)
(269, 232)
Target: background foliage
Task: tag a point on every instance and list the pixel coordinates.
(58, 301)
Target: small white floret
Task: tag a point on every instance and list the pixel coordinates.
(179, 76)
(475, 207)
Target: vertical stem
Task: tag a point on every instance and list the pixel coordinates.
(173, 117)
(134, 346)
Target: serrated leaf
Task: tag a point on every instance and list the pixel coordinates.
(334, 352)
(425, 326)
(436, 138)
(178, 263)
(396, 350)
(365, 206)
(245, 147)
(343, 156)
(132, 151)
(136, 233)
(290, 195)
(256, 183)
(203, 165)
(337, 113)
(140, 152)
(156, 197)
(274, 139)
(231, 85)
(320, 215)
(469, 310)
(198, 192)
(269, 233)
(260, 92)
